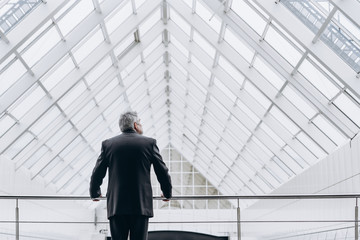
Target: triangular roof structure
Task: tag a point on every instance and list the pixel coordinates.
(250, 92)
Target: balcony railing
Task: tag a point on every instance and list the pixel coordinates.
(298, 209)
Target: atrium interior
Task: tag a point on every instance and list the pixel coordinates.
(246, 99)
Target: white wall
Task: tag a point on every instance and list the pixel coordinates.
(339, 173)
(19, 183)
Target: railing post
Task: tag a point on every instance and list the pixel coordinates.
(238, 220)
(356, 220)
(17, 232)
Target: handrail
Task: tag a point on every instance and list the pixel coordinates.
(194, 197)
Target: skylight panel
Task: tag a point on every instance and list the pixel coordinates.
(91, 41)
(83, 111)
(256, 94)
(57, 73)
(36, 156)
(284, 167)
(27, 101)
(299, 160)
(138, 3)
(251, 17)
(113, 84)
(178, 65)
(179, 46)
(6, 122)
(349, 108)
(311, 145)
(262, 146)
(176, 18)
(241, 126)
(152, 46)
(150, 22)
(47, 119)
(72, 95)
(269, 73)
(116, 107)
(10, 75)
(34, 38)
(204, 44)
(75, 16)
(231, 70)
(73, 145)
(58, 135)
(248, 112)
(124, 46)
(300, 103)
(223, 110)
(98, 71)
(328, 129)
(154, 66)
(131, 66)
(284, 120)
(115, 19)
(200, 66)
(207, 15)
(272, 134)
(318, 79)
(42, 46)
(52, 165)
(87, 131)
(19, 145)
(348, 24)
(283, 46)
(246, 52)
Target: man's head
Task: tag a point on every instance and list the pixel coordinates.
(130, 120)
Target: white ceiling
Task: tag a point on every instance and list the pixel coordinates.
(251, 93)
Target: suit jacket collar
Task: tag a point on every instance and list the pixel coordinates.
(129, 131)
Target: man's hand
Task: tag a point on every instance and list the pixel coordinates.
(96, 199)
(166, 199)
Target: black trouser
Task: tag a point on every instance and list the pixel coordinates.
(121, 225)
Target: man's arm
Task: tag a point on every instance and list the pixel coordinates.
(98, 175)
(162, 172)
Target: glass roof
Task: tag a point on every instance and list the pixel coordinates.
(250, 94)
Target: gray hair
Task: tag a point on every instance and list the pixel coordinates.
(127, 120)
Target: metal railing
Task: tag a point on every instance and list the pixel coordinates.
(238, 220)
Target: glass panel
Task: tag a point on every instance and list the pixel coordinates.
(46, 120)
(283, 46)
(328, 129)
(318, 79)
(42, 46)
(91, 41)
(120, 14)
(107, 89)
(293, 96)
(201, 66)
(174, 16)
(11, 75)
(207, 15)
(311, 145)
(349, 108)
(284, 120)
(16, 147)
(151, 47)
(268, 72)
(204, 44)
(246, 52)
(98, 71)
(27, 101)
(6, 123)
(58, 72)
(150, 22)
(72, 95)
(231, 70)
(75, 16)
(255, 21)
(58, 135)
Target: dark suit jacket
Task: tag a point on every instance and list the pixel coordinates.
(129, 157)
